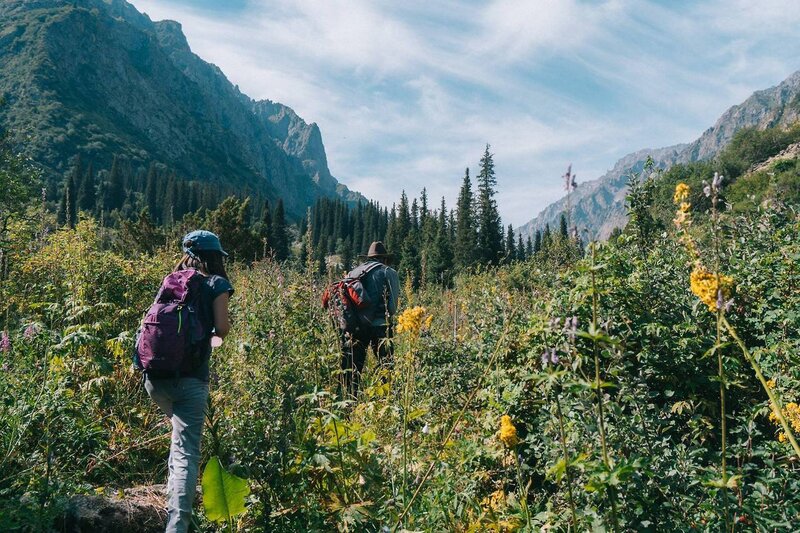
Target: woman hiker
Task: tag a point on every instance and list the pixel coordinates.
(182, 393)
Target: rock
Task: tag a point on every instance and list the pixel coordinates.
(140, 509)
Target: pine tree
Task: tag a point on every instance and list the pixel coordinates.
(530, 248)
(440, 256)
(87, 199)
(511, 246)
(490, 232)
(547, 238)
(521, 255)
(264, 229)
(114, 191)
(466, 236)
(537, 242)
(280, 236)
(562, 230)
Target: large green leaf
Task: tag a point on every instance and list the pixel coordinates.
(223, 493)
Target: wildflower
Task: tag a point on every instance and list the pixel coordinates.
(771, 384)
(571, 326)
(710, 288)
(508, 432)
(681, 193)
(426, 429)
(791, 412)
(411, 320)
(31, 331)
(5, 342)
(716, 183)
(494, 501)
(545, 358)
(554, 356)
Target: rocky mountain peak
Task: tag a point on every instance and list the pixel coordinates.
(598, 206)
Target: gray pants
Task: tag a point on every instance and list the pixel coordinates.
(184, 401)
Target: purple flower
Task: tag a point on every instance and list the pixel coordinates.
(545, 358)
(31, 331)
(554, 356)
(571, 325)
(5, 342)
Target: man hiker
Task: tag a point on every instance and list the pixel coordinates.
(382, 286)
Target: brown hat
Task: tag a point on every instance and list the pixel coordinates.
(378, 250)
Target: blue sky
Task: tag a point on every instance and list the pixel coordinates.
(408, 93)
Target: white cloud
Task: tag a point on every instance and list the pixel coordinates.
(408, 93)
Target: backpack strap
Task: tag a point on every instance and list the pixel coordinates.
(366, 270)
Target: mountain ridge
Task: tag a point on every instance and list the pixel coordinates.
(598, 206)
(99, 78)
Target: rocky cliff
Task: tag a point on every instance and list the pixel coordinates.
(97, 77)
(598, 206)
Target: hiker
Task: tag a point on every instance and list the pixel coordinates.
(382, 287)
(173, 349)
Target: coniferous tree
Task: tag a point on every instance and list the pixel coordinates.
(563, 231)
(537, 242)
(547, 238)
(530, 248)
(521, 255)
(511, 245)
(280, 236)
(87, 199)
(441, 251)
(114, 191)
(490, 232)
(264, 230)
(464, 249)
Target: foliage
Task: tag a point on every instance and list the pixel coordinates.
(560, 392)
(224, 494)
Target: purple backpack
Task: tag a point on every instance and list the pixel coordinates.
(172, 332)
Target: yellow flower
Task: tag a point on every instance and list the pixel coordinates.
(495, 501)
(508, 432)
(771, 384)
(411, 320)
(705, 286)
(791, 413)
(681, 193)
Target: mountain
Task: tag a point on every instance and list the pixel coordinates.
(99, 78)
(599, 205)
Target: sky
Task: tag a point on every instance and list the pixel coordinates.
(407, 94)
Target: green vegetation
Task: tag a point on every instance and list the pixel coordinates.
(563, 391)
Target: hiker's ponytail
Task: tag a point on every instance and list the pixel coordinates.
(207, 261)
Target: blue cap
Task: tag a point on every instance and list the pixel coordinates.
(201, 241)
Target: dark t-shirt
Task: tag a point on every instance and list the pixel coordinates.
(211, 289)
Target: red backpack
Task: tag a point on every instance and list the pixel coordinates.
(348, 302)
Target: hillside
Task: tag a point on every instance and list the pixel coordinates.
(599, 205)
(97, 77)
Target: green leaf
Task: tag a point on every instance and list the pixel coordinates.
(223, 493)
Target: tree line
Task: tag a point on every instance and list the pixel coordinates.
(150, 207)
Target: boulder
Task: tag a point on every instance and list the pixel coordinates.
(141, 509)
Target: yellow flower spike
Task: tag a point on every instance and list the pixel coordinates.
(681, 193)
(411, 320)
(705, 286)
(508, 432)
